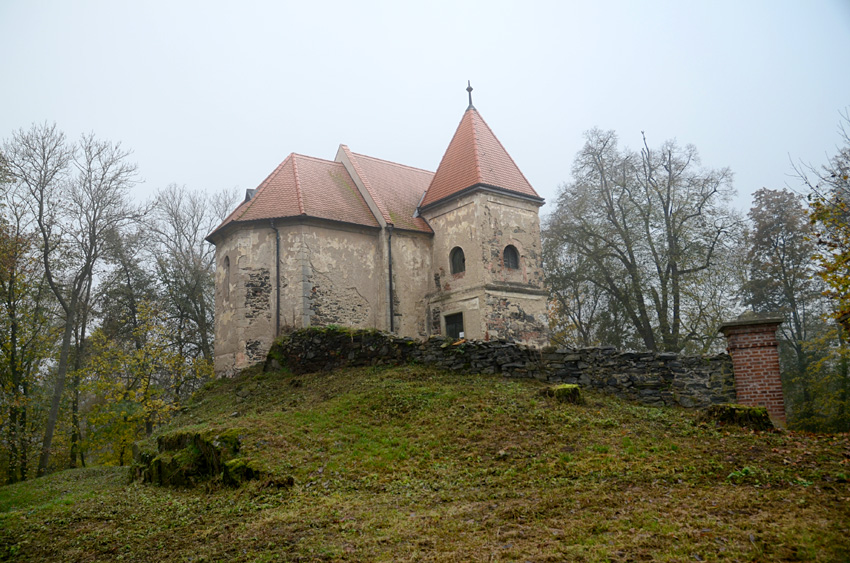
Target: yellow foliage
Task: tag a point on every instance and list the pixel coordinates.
(134, 384)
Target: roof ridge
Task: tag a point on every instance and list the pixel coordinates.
(475, 143)
(316, 158)
(298, 185)
(379, 202)
(399, 164)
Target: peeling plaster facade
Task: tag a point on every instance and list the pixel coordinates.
(497, 302)
(349, 242)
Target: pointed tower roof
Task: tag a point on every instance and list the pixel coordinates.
(475, 158)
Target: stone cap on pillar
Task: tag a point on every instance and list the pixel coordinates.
(749, 318)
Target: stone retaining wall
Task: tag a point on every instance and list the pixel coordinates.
(652, 379)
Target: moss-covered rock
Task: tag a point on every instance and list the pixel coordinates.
(185, 458)
(566, 393)
(755, 418)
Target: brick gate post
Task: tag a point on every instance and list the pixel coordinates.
(751, 341)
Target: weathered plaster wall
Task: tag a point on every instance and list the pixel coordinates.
(243, 322)
(507, 221)
(455, 224)
(515, 299)
(412, 281)
(345, 279)
(516, 317)
(327, 276)
(496, 302)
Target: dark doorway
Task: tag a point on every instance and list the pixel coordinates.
(454, 325)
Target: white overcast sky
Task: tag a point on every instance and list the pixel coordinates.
(214, 95)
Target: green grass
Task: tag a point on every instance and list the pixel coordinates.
(414, 464)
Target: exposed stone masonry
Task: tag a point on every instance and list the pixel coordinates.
(253, 350)
(507, 320)
(258, 290)
(332, 304)
(652, 379)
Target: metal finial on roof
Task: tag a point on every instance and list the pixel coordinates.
(469, 89)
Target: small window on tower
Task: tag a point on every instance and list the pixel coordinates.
(458, 262)
(511, 257)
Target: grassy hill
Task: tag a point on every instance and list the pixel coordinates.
(414, 464)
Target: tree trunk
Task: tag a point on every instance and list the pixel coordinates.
(75, 422)
(58, 387)
(844, 373)
(75, 384)
(12, 473)
(23, 448)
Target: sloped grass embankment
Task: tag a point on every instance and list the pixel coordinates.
(414, 464)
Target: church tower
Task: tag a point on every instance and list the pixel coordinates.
(486, 251)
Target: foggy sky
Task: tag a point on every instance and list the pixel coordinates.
(214, 95)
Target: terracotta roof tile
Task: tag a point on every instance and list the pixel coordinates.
(475, 156)
(308, 187)
(312, 187)
(396, 189)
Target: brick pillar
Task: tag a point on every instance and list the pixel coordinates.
(751, 341)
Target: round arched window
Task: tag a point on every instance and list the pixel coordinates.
(457, 260)
(511, 257)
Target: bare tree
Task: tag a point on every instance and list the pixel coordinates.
(77, 195)
(186, 261)
(650, 229)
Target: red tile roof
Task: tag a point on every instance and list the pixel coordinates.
(396, 189)
(302, 186)
(475, 156)
(308, 187)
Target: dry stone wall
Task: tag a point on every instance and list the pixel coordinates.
(652, 379)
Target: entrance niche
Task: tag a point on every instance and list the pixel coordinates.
(454, 326)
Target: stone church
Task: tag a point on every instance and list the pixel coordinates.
(367, 243)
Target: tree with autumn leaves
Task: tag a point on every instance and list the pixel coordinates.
(829, 213)
(135, 384)
(99, 336)
(829, 210)
(782, 278)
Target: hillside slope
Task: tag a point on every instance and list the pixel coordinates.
(415, 464)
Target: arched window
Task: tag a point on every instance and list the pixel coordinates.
(511, 257)
(457, 260)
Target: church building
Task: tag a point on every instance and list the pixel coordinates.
(361, 242)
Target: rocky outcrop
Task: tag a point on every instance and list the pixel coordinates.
(185, 459)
